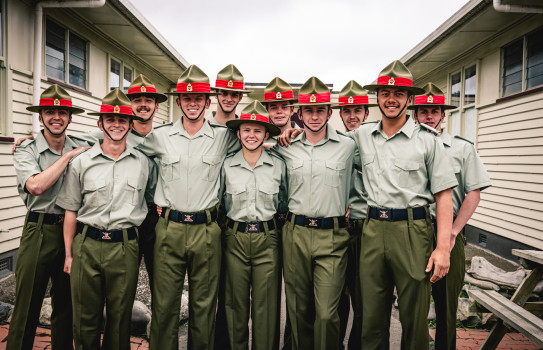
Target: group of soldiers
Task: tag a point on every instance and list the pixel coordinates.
(342, 217)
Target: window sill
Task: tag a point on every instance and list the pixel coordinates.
(68, 86)
(6, 139)
(520, 94)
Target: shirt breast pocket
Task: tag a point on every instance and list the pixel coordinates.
(295, 172)
(407, 172)
(239, 196)
(134, 191)
(95, 192)
(333, 173)
(212, 167)
(170, 167)
(266, 196)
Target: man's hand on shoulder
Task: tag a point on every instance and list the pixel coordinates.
(19, 141)
(285, 138)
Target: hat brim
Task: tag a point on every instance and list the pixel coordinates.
(282, 100)
(272, 129)
(231, 89)
(191, 93)
(413, 89)
(119, 114)
(333, 104)
(74, 110)
(444, 107)
(355, 104)
(158, 96)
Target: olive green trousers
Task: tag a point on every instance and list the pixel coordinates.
(446, 292)
(395, 254)
(252, 278)
(183, 248)
(314, 264)
(41, 257)
(103, 272)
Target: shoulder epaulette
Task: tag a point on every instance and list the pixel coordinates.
(430, 129)
(26, 143)
(461, 138)
(341, 133)
(370, 122)
(73, 137)
(217, 125)
(77, 155)
(162, 125)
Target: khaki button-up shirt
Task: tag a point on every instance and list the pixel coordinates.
(31, 158)
(319, 176)
(404, 170)
(254, 194)
(189, 167)
(468, 168)
(107, 193)
(358, 196)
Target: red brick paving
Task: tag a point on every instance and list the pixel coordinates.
(466, 339)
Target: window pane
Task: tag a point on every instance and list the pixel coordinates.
(512, 68)
(55, 48)
(470, 84)
(455, 118)
(455, 89)
(114, 75)
(534, 59)
(1, 32)
(471, 123)
(127, 78)
(78, 61)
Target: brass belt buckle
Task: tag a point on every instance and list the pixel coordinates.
(106, 236)
(385, 214)
(188, 218)
(253, 227)
(312, 222)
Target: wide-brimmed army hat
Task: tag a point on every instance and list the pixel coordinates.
(116, 103)
(278, 90)
(192, 81)
(395, 75)
(144, 86)
(313, 92)
(254, 113)
(433, 96)
(353, 94)
(55, 97)
(231, 79)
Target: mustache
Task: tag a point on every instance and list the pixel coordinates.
(143, 109)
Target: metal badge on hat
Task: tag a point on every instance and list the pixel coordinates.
(391, 81)
(350, 100)
(230, 83)
(56, 102)
(143, 89)
(313, 99)
(189, 87)
(117, 109)
(278, 95)
(430, 99)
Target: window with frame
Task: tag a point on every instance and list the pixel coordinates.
(522, 63)
(3, 79)
(65, 55)
(463, 95)
(117, 70)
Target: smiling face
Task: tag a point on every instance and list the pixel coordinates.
(252, 135)
(193, 105)
(280, 112)
(116, 127)
(430, 115)
(353, 116)
(393, 101)
(144, 106)
(315, 117)
(228, 100)
(55, 120)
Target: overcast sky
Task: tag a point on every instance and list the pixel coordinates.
(294, 39)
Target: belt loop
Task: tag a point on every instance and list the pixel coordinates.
(235, 227)
(125, 237)
(336, 223)
(137, 234)
(167, 215)
(84, 232)
(208, 216)
(266, 228)
(40, 221)
(292, 218)
(410, 217)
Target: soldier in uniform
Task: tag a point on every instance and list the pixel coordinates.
(104, 199)
(254, 185)
(190, 154)
(472, 179)
(353, 109)
(315, 238)
(40, 165)
(404, 168)
(278, 95)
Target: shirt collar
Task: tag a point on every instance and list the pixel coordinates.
(331, 134)
(239, 160)
(96, 150)
(407, 129)
(42, 145)
(178, 128)
(446, 138)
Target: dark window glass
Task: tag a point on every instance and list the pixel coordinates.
(512, 68)
(114, 75)
(55, 49)
(78, 61)
(127, 73)
(455, 89)
(534, 59)
(470, 84)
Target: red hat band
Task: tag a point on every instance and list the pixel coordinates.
(280, 95)
(55, 102)
(322, 97)
(142, 90)
(193, 87)
(115, 109)
(394, 81)
(353, 100)
(229, 84)
(430, 99)
(257, 117)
